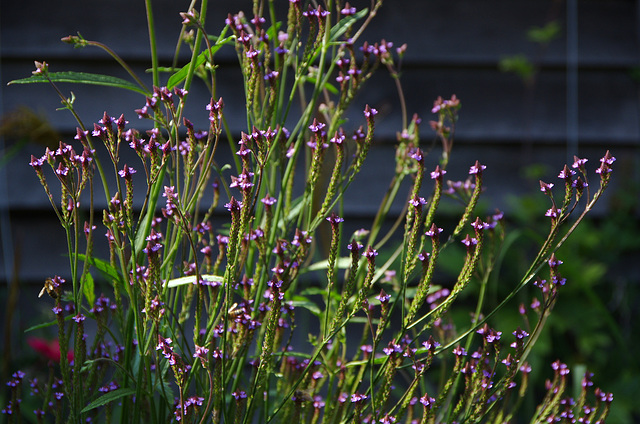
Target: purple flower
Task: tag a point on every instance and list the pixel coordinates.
(301, 236)
(366, 348)
(520, 334)
(201, 352)
(370, 253)
(334, 219)
(348, 10)
(560, 367)
(438, 173)
(566, 173)
(606, 162)
(459, 351)
(233, 205)
(578, 163)
(369, 112)
(427, 401)
(440, 104)
(554, 262)
(477, 169)
(545, 187)
(392, 348)
(354, 247)
(126, 172)
(243, 180)
(608, 159)
(36, 163)
(430, 344)
(434, 231)
(478, 225)
(153, 244)
(383, 297)
(553, 212)
(469, 241)
(417, 155)
(489, 334)
(424, 256)
(338, 138)
(358, 398)
(316, 127)
(239, 395)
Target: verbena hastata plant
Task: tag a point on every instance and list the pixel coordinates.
(199, 326)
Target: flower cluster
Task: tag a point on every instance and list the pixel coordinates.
(229, 252)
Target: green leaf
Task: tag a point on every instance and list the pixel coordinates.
(82, 78)
(88, 288)
(329, 87)
(105, 268)
(144, 228)
(179, 76)
(191, 279)
(272, 32)
(343, 263)
(45, 324)
(341, 27)
(544, 34)
(518, 64)
(320, 291)
(109, 397)
(297, 302)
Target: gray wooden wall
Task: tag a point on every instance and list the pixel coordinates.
(584, 99)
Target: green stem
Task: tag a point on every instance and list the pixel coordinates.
(152, 42)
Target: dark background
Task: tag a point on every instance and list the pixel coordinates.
(576, 93)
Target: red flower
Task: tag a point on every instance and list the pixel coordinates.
(49, 349)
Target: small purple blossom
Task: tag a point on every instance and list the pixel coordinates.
(477, 169)
(578, 162)
(369, 112)
(552, 212)
(392, 348)
(469, 241)
(334, 219)
(348, 10)
(546, 187)
(554, 262)
(566, 173)
(478, 225)
(316, 127)
(126, 172)
(383, 297)
(438, 173)
(434, 231)
(459, 351)
(239, 394)
(358, 398)
(370, 253)
(427, 401)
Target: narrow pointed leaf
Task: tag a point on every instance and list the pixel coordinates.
(109, 397)
(179, 76)
(83, 78)
(191, 279)
(345, 23)
(88, 288)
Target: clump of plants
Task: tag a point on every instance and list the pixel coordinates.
(211, 274)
